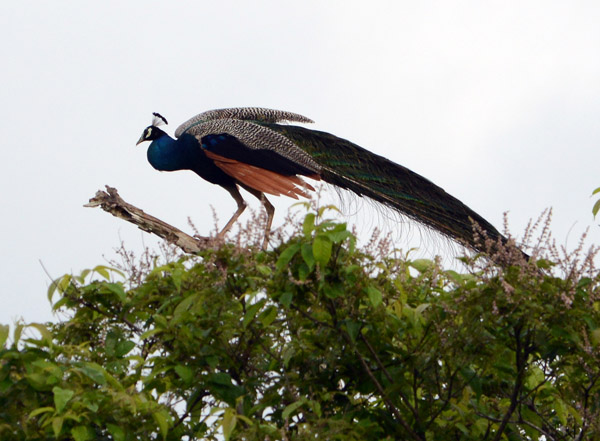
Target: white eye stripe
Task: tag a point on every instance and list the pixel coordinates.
(148, 132)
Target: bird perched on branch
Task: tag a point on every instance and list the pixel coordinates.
(251, 148)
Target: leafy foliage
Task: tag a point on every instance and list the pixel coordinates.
(314, 340)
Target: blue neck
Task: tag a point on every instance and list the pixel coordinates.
(165, 154)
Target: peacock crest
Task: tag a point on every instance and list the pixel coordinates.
(158, 119)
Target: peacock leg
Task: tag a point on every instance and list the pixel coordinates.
(270, 212)
(241, 203)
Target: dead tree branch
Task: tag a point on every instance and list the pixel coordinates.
(111, 202)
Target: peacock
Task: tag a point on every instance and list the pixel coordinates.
(255, 149)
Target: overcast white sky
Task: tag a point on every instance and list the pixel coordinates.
(496, 102)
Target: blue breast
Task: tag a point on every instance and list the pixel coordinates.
(167, 154)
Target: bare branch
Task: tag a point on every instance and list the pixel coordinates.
(112, 203)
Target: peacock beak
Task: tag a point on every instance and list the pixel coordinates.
(142, 139)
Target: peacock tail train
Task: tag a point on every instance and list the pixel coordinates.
(354, 168)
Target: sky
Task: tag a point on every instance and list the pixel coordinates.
(496, 102)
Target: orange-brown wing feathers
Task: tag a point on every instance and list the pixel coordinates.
(263, 180)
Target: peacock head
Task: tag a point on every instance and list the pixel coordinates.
(152, 132)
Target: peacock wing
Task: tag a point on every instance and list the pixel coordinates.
(242, 113)
(255, 156)
(254, 137)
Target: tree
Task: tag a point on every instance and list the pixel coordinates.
(314, 340)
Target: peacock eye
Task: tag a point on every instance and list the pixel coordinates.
(148, 132)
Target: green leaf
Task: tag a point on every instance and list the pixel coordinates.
(117, 289)
(82, 433)
(288, 353)
(162, 419)
(596, 208)
(422, 265)
(286, 256)
(42, 374)
(375, 296)
(462, 428)
(150, 333)
(223, 388)
(291, 408)
(52, 289)
(105, 271)
(322, 249)
(60, 284)
(307, 255)
(264, 270)
(316, 407)
(286, 299)
(177, 277)
(251, 312)
(117, 433)
(536, 377)
(61, 397)
(561, 410)
(220, 378)
(596, 191)
(4, 330)
(123, 347)
(422, 307)
(472, 379)
(268, 315)
(82, 275)
(94, 371)
(333, 290)
(330, 207)
(185, 373)
(245, 419)
(92, 406)
(544, 263)
(183, 307)
(17, 333)
(40, 410)
(64, 282)
(303, 272)
(595, 337)
(160, 320)
(308, 226)
(60, 303)
(228, 422)
(353, 328)
(338, 233)
(57, 423)
(110, 342)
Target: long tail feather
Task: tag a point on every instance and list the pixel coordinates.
(354, 168)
